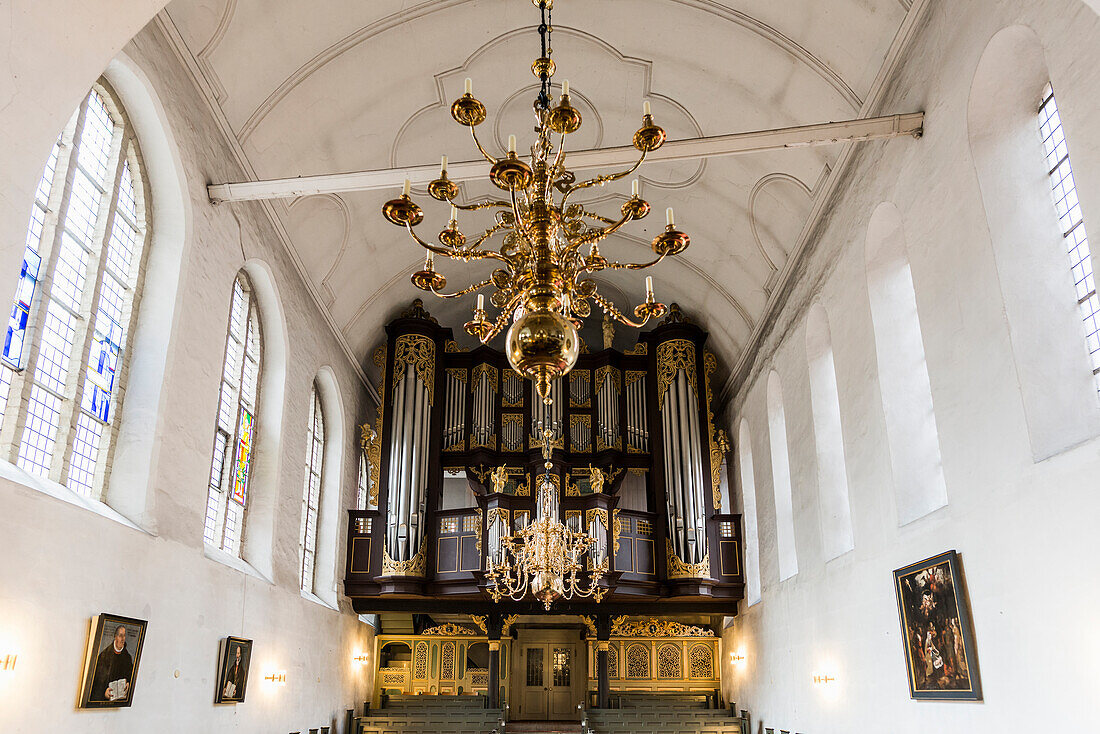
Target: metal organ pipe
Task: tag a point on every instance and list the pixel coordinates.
(672, 476)
(406, 462)
(685, 465)
(393, 486)
(696, 466)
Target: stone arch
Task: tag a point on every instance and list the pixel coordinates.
(326, 569)
(781, 480)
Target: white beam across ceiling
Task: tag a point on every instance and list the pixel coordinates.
(829, 133)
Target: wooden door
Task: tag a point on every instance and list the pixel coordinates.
(550, 676)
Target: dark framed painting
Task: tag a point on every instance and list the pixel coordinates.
(233, 670)
(111, 661)
(936, 630)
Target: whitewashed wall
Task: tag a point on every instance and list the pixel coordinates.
(1022, 499)
(65, 563)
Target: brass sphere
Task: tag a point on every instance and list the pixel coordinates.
(542, 66)
(564, 118)
(649, 137)
(402, 211)
(468, 111)
(543, 346)
(510, 173)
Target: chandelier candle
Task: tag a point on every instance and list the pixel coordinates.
(543, 246)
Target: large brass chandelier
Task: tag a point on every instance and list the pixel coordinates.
(547, 248)
(545, 557)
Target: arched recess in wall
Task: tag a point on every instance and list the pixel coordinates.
(781, 480)
(257, 545)
(832, 472)
(911, 433)
(136, 452)
(748, 514)
(328, 526)
(1048, 340)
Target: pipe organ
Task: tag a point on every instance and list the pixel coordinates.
(635, 454)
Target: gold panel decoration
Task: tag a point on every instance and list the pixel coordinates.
(602, 372)
(479, 677)
(701, 661)
(415, 566)
(589, 626)
(677, 569)
(719, 442)
(450, 629)
(637, 661)
(622, 627)
(379, 356)
(639, 348)
(489, 371)
(420, 661)
(668, 661)
(506, 628)
(477, 544)
(458, 373)
(582, 376)
(672, 356)
(613, 661)
(633, 376)
(451, 346)
(481, 622)
(371, 445)
(617, 530)
(418, 351)
(447, 661)
(392, 677)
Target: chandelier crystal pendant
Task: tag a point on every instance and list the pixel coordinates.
(547, 246)
(545, 557)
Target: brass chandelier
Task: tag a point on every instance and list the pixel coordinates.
(548, 247)
(545, 557)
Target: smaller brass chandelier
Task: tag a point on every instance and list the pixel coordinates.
(545, 557)
(548, 247)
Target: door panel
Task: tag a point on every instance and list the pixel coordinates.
(548, 677)
(534, 689)
(562, 661)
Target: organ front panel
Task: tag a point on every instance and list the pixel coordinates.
(458, 451)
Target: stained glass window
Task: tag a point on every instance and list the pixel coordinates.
(311, 493)
(235, 430)
(76, 294)
(1071, 222)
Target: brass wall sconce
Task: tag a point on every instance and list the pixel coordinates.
(276, 678)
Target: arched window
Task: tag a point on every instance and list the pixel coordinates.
(235, 432)
(311, 492)
(64, 360)
(902, 371)
(1071, 222)
(781, 480)
(748, 505)
(832, 472)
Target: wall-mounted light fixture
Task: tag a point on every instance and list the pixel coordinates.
(823, 679)
(7, 662)
(737, 658)
(276, 677)
(362, 658)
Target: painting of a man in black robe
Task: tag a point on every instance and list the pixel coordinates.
(233, 671)
(114, 651)
(935, 625)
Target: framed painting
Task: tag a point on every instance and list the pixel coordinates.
(233, 670)
(111, 661)
(936, 630)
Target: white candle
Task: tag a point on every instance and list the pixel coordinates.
(429, 261)
(645, 109)
(511, 143)
(408, 185)
(480, 301)
(443, 167)
(634, 187)
(669, 220)
(454, 213)
(469, 85)
(649, 285)
(565, 88)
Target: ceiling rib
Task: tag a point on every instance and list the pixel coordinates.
(829, 133)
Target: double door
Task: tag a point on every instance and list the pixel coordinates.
(550, 675)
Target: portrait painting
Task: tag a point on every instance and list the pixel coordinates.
(936, 630)
(233, 670)
(111, 661)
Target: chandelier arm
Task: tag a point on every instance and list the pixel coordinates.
(597, 217)
(501, 320)
(484, 236)
(635, 266)
(480, 205)
(606, 178)
(464, 291)
(484, 153)
(615, 313)
(596, 235)
(453, 254)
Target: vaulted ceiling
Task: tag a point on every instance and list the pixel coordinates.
(343, 85)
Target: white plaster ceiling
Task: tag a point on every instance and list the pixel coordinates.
(342, 85)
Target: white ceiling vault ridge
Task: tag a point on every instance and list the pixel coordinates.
(329, 105)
